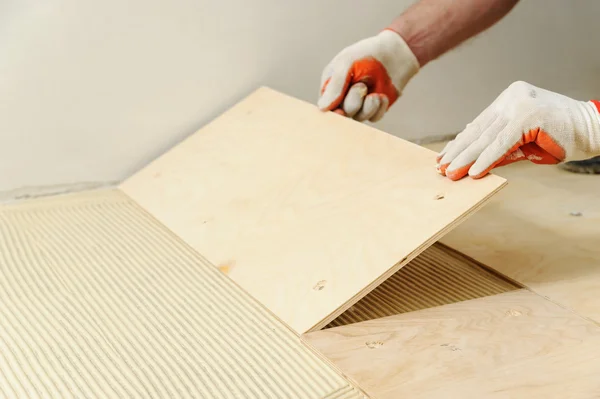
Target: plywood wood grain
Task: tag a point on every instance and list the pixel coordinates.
(511, 345)
(438, 276)
(307, 211)
(543, 231)
(98, 300)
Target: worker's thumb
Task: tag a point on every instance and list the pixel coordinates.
(334, 87)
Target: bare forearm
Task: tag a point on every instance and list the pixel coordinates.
(433, 27)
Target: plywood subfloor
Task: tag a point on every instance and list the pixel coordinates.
(98, 300)
(512, 345)
(438, 276)
(307, 211)
(542, 230)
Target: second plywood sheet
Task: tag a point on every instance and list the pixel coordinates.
(307, 211)
(512, 345)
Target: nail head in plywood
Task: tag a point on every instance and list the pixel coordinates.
(296, 196)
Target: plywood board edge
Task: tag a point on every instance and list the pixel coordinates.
(324, 322)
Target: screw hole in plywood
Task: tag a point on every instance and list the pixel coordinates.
(438, 197)
(374, 344)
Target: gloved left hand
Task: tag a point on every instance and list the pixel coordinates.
(524, 123)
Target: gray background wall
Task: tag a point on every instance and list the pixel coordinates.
(92, 90)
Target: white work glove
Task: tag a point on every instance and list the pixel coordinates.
(524, 122)
(366, 78)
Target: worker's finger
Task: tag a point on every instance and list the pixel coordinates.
(472, 132)
(382, 108)
(468, 135)
(468, 155)
(370, 107)
(505, 143)
(444, 151)
(339, 111)
(335, 87)
(448, 147)
(353, 101)
(452, 149)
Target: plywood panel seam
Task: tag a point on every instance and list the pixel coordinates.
(562, 306)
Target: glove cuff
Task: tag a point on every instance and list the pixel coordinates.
(401, 63)
(592, 120)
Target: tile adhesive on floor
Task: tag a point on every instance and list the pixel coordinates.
(438, 276)
(99, 300)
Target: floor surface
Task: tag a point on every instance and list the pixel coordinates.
(542, 231)
(88, 315)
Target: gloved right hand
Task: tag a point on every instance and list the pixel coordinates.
(365, 79)
(525, 122)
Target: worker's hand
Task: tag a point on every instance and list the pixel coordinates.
(524, 122)
(366, 78)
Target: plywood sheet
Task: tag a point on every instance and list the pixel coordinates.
(438, 276)
(98, 300)
(543, 231)
(511, 345)
(307, 211)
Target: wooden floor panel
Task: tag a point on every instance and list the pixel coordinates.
(542, 230)
(307, 211)
(512, 345)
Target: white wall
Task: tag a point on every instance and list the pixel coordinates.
(92, 90)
